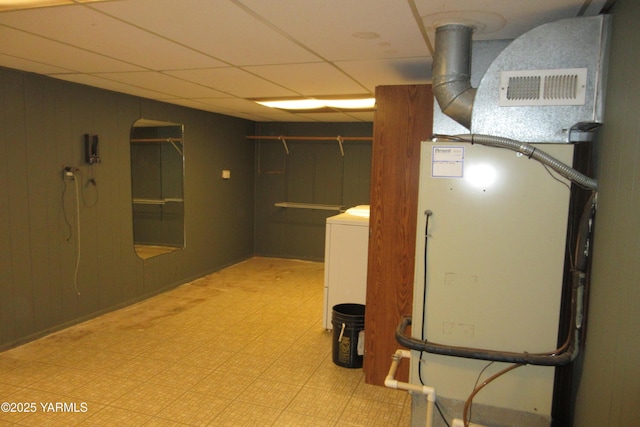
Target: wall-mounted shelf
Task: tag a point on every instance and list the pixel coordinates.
(170, 140)
(138, 201)
(295, 205)
(156, 140)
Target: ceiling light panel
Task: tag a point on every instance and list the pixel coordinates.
(323, 103)
(294, 104)
(28, 4)
(349, 104)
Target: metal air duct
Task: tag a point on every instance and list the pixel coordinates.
(546, 86)
(452, 72)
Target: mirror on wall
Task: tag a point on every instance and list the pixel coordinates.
(157, 187)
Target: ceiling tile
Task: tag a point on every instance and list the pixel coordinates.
(251, 117)
(281, 116)
(211, 55)
(233, 81)
(85, 28)
(27, 65)
(237, 104)
(242, 108)
(378, 72)
(37, 49)
(347, 29)
(363, 116)
(220, 29)
(163, 83)
(310, 79)
(187, 102)
(327, 117)
(102, 83)
(199, 105)
(16, 5)
(500, 19)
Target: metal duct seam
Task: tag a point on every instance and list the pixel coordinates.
(451, 77)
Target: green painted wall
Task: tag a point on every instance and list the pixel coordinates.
(609, 387)
(42, 123)
(312, 172)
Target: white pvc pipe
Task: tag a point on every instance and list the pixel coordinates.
(457, 422)
(391, 382)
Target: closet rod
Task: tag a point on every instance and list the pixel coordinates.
(157, 140)
(312, 138)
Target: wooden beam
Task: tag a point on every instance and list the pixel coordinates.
(403, 118)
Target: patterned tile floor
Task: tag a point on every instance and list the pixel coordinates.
(241, 347)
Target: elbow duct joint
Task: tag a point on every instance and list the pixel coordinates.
(452, 72)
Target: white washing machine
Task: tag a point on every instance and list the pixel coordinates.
(345, 261)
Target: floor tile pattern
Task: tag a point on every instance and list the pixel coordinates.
(241, 347)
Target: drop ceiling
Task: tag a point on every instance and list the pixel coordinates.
(219, 55)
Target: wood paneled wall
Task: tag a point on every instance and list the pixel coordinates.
(403, 118)
(312, 172)
(42, 123)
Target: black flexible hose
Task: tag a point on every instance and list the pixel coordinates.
(559, 357)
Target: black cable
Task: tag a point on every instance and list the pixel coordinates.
(64, 211)
(428, 213)
(441, 414)
(93, 182)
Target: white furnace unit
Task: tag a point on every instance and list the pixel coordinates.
(497, 250)
(345, 260)
(495, 243)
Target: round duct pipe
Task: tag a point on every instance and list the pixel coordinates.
(451, 77)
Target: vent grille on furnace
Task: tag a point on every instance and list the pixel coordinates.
(543, 87)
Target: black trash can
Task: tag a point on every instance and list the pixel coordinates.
(348, 324)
